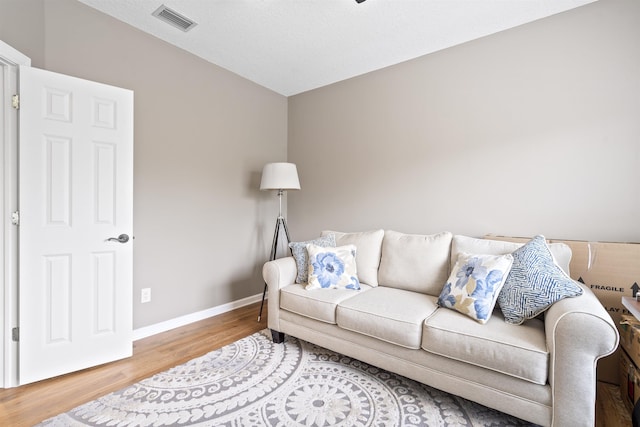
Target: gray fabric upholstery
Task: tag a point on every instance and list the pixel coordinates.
(517, 351)
(415, 262)
(391, 315)
(368, 246)
(502, 392)
(578, 334)
(543, 371)
(561, 252)
(318, 304)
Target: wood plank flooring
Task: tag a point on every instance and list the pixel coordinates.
(33, 403)
(611, 411)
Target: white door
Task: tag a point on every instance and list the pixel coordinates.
(75, 193)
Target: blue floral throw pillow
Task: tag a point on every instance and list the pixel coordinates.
(535, 283)
(332, 268)
(474, 284)
(299, 252)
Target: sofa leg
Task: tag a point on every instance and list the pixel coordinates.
(278, 337)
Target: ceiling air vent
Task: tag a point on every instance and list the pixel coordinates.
(174, 18)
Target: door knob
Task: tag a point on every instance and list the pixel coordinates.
(123, 238)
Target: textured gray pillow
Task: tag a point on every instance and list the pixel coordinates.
(534, 283)
(299, 251)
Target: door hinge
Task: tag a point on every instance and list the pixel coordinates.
(15, 218)
(15, 334)
(15, 101)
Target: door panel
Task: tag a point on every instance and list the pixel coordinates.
(75, 192)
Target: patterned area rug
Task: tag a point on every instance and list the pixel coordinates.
(254, 382)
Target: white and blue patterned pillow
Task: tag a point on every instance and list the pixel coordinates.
(474, 284)
(299, 252)
(332, 268)
(535, 283)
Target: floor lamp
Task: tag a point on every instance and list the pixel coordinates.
(280, 177)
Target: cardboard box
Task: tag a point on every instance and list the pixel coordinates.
(629, 381)
(611, 271)
(634, 346)
(629, 326)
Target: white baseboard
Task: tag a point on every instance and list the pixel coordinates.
(167, 325)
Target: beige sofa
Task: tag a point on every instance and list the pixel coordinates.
(543, 370)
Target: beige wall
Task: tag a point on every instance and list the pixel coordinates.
(532, 130)
(22, 24)
(202, 134)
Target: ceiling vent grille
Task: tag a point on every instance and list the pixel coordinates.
(174, 18)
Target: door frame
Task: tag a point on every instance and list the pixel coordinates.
(10, 59)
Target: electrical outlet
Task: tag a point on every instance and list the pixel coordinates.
(145, 295)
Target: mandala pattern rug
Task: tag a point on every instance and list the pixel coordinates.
(254, 382)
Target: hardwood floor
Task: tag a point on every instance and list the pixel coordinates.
(33, 403)
(611, 411)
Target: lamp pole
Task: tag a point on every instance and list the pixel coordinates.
(280, 177)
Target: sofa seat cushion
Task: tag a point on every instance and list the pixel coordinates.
(516, 350)
(318, 304)
(389, 314)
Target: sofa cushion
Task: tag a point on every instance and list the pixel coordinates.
(368, 247)
(392, 315)
(519, 351)
(318, 304)
(474, 284)
(415, 262)
(561, 251)
(332, 268)
(535, 283)
(299, 252)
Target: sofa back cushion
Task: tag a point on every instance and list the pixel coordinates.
(415, 262)
(368, 248)
(561, 252)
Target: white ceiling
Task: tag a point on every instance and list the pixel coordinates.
(291, 46)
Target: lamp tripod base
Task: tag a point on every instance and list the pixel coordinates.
(280, 223)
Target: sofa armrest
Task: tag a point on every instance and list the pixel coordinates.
(579, 331)
(277, 274)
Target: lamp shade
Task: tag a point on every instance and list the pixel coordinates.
(280, 176)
